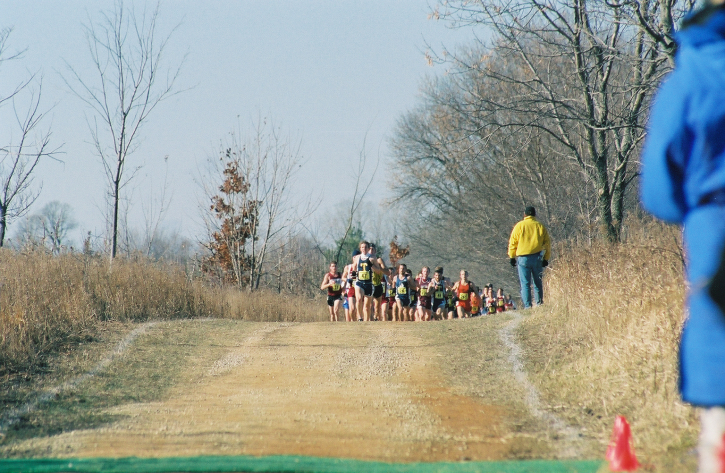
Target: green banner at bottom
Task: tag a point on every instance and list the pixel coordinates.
(284, 464)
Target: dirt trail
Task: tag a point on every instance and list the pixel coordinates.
(377, 391)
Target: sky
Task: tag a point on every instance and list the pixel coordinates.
(334, 74)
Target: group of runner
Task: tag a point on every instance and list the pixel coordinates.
(368, 290)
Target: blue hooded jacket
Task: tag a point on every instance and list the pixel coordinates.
(683, 181)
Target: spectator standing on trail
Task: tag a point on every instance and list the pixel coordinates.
(683, 181)
(528, 239)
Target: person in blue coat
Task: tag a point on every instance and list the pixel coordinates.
(683, 181)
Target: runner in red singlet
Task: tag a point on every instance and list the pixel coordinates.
(423, 308)
(463, 289)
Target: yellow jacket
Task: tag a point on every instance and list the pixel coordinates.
(529, 236)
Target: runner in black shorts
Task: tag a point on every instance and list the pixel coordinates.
(413, 296)
(333, 283)
(403, 284)
(378, 285)
(451, 304)
(365, 266)
(437, 287)
(392, 305)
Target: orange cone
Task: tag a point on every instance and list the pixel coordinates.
(620, 452)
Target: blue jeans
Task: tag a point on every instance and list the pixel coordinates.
(530, 271)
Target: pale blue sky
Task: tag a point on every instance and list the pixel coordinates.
(327, 71)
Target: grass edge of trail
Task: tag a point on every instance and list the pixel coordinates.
(287, 464)
(85, 404)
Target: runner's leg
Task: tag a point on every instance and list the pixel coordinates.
(360, 302)
(367, 306)
(336, 309)
(353, 309)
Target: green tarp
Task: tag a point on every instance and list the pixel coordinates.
(287, 464)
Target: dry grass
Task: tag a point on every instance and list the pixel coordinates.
(269, 306)
(50, 301)
(605, 342)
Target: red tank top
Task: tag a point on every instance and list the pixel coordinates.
(423, 287)
(462, 291)
(336, 288)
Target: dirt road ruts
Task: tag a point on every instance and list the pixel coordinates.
(441, 391)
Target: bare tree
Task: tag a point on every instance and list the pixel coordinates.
(57, 222)
(26, 146)
(48, 228)
(154, 210)
(259, 211)
(131, 80)
(296, 266)
(465, 180)
(6, 56)
(360, 190)
(582, 71)
(269, 160)
(344, 224)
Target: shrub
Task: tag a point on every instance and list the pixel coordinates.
(609, 332)
(50, 301)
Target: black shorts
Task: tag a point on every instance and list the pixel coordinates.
(378, 291)
(331, 299)
(404, 300)
(367, 287)
(439, 304)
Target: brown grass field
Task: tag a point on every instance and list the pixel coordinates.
(604, 343)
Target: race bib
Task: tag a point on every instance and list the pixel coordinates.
(402, 290)
(439, 295)
(335, 285)
(391, 293)
(463, 296)
(363, 275)
(423, 291)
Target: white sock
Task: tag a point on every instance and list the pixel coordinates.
(709, 449)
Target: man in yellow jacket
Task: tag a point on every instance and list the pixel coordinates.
(529, 239)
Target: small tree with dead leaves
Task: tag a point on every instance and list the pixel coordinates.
(235, 214)
(397, 252)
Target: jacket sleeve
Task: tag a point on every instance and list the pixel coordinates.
(666, 152)
(547, 244)
(514, 240)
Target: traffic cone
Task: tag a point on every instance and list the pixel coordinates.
(620, 452)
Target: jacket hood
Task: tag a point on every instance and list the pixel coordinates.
(709, 30)
(701, 51)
